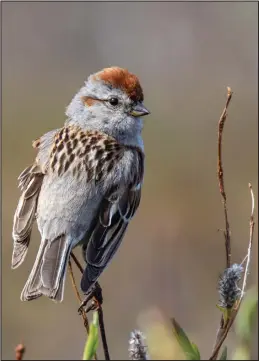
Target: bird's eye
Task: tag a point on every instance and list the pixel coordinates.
(114, 101)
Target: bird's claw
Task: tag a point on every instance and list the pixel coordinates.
(97, 299)
(84, 303)
(93, 307)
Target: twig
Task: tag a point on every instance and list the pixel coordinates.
(221, 124)
(83, 313)
(100, 310)
(84, 316)
(221, 177)
(234, 312)
(77, 262)
(103, 335)
(251, 236)
(19, 351)
(223, 335)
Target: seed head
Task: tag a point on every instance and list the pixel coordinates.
(228, 286)
(137, 346)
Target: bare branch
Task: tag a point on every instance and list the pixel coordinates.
(226, 232)
(221, 177)
(84, 316)
(251, 236)
(83, 313)
(223, 332)
(99, 309)
(77, 262)
(103, 334)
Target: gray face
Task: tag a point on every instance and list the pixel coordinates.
(114, 106)
(110, 110)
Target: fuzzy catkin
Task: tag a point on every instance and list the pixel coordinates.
(137, 347)
(228, 286)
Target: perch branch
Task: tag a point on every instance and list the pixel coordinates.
(100, 310)
(84, 316)
(83, 313)
(234, 312)
(77, 262)
(103, 334)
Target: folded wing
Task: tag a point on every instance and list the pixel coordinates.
(30, 183)
(116, 210)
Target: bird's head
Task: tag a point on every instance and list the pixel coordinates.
(111, 101)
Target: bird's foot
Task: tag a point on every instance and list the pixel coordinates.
(95, 294)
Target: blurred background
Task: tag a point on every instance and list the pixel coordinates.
(185, 55)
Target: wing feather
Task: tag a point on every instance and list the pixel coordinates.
(30, 183)
(115, 212)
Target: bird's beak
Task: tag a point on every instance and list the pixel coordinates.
(139, 110)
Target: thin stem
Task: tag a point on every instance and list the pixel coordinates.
(77, 262)
(84, 316)
(100, 310)
(103, 335)
(221, 177)
(221, 124)
(224, 331)
(251, 235)
(83, 313)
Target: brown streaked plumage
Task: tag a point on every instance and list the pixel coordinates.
(123, 79)
(90, 150)
(93, 152)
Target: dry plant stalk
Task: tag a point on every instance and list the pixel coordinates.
(221, 178)
(103, 335)
(19, 351)
(225, 326)
(221, 124)
(249, 251)
(236, 308)
(84, 315)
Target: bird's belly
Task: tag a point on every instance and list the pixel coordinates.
(67, 205)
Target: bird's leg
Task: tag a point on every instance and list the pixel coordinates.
(97, 299)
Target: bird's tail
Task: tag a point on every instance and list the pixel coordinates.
(49, 271)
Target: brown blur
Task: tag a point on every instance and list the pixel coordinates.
(185, 55)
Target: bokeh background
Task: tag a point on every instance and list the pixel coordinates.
(185, 55)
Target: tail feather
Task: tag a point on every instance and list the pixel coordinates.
(31, 289)
(48, 274)
(53, 257)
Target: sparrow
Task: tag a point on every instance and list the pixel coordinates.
(84, 185)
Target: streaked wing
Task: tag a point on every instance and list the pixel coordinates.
(115, 212)
(30, 181)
